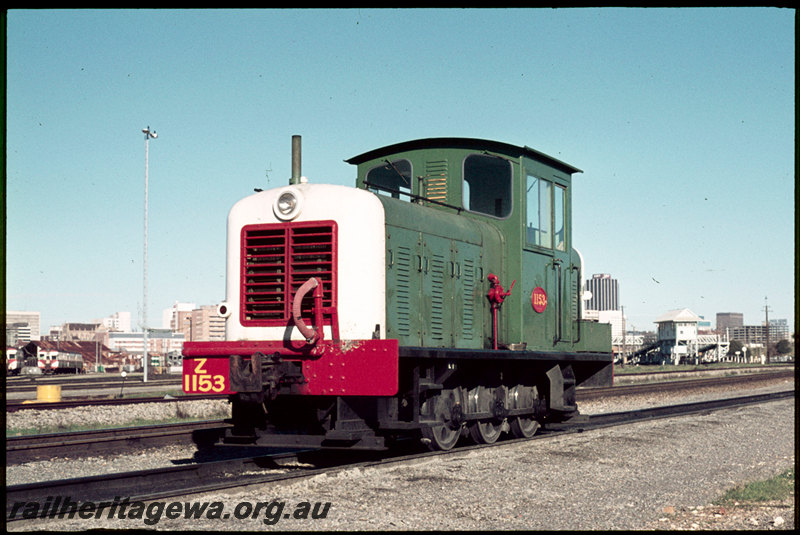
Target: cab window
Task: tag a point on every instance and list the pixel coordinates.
(559, 204)
(487, 185)
(546, 208)
(391, 179)
(538, 230)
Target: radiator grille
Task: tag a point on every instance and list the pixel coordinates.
(438, 313)
(402, 289)
(436, 180)
(468, 282)
(276, 260)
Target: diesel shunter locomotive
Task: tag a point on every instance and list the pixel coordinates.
(440, 298)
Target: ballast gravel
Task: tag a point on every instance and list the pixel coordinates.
(116, 415)
(647, 475)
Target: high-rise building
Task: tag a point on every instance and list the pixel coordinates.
(757, 334)
(23, 326)
(196, 323)
(605, 292)
(729, 320)
(206, 324)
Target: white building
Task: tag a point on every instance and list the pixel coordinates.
(679, 338)
(23, 326)
(119, 321)
(158, 342)
(171, 317)
(678, 326)
(613, 317)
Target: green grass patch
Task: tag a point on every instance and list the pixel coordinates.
(777, 488)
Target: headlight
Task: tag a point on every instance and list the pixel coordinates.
(287, 205)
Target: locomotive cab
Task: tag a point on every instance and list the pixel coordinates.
(517, 202)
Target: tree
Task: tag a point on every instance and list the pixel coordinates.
(784, 347)
(735, 346)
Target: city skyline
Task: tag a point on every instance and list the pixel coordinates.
(164, 324)
(682, 121)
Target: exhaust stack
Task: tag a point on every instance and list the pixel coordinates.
(296, 160)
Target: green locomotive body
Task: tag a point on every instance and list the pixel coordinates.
(440, 298)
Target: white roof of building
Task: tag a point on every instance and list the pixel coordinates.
(683, 314)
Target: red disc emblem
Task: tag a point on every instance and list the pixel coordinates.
(539, 299)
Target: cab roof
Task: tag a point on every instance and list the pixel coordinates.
(463, 143)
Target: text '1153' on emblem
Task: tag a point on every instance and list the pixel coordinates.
(539, 299)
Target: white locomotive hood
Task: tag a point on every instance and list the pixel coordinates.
(358, 220)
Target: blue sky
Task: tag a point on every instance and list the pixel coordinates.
(681, 119)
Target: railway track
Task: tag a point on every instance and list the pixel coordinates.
(98, 442)
(585, 394)
(219, 475)
(28, 384)
(16, 405)
(750, 379)
(702, 369)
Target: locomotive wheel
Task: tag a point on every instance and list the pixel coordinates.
(523, 397)
(441, 437)
(482, 399)
(485, 432)
(523, 427)
(445, 408)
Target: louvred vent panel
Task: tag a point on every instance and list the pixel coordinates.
(276, 260)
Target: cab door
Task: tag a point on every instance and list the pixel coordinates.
(437, 292)
(563, 273)
(546, 257)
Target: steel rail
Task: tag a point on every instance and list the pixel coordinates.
(597, 421)
(14, 406)
(68, 383)
(138, 485)
(586, 394)
(21, 449)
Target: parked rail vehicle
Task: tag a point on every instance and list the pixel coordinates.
(14, 365)
(49, 362)
(66, 363)
(26, 357)
(439, 298)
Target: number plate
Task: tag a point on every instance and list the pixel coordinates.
(206, 376)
